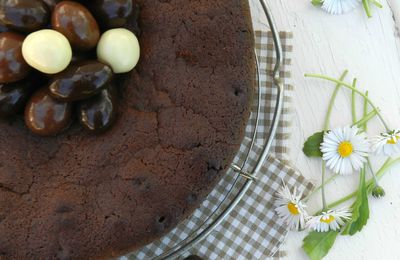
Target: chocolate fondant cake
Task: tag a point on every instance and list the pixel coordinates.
(181, 120)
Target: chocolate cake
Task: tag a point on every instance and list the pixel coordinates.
(181, 120)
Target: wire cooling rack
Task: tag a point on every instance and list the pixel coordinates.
(243, 180)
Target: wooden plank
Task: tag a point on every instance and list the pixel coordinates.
(370, 49)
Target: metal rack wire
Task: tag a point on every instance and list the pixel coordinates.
(216, 217)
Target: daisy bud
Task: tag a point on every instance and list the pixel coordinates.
(378, 192)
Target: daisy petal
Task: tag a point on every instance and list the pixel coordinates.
(290, 208)
(339, 6)
(345, 149)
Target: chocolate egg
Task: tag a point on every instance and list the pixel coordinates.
(13, 67)
(76, 23)
(81, 81)
(111, 13)
(51, 3)
(81, 56)
(13, 97)
(24, 15)
(134, 21)
(3, 28)
(98, 113)
(46, 116)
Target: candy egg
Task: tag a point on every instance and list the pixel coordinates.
(3, 28)
(51, 3)
(12, 65)
(119, 48)
(13, 97)
(77, 24)
(99, 112)
(80, 56)
(81, 81)
(46, 116)
(23, 15)
(111, 13)
(47, 51)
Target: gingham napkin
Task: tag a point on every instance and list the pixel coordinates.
(252, 230)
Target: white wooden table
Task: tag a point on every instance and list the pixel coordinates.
(370, 49)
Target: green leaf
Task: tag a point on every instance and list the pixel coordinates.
(318, 244)
(317, 2)
(312, 145)
(360, 208)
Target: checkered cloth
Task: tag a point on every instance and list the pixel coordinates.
(252, 230)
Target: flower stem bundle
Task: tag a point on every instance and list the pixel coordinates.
(343, 151)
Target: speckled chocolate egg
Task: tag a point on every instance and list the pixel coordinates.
(76, 23)
(98, 113)
(45, 115)
(13, 67)
(81, 81)
(24, 15)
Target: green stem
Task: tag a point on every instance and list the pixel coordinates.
(363, 121)
(365, 126)
(353, 103)
(350, 87)
(372, 172)
(388, 164)
(342, 200)
(332, 101)
(333, 177)
(370, 184)
(377, 4)
(367, 8)
(326, 126)
(317, 2)
(323, 186)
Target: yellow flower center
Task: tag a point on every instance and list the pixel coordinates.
(393, 140)
(345, 149)
(293, 208)
(327, 220)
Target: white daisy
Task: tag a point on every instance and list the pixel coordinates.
(330, 220)
(290, 208)
(387, 143)
(345, 150)
(339, 6)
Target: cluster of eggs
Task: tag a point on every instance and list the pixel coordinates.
(57, 57)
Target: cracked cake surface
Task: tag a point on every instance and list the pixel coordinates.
(181, 120)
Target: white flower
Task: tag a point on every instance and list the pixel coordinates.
(339, 6)
(330, 220)
(290, 208)
(387, 143)
(345, 150)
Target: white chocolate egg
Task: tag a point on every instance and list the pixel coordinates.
(119, 48)
(47, 51)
